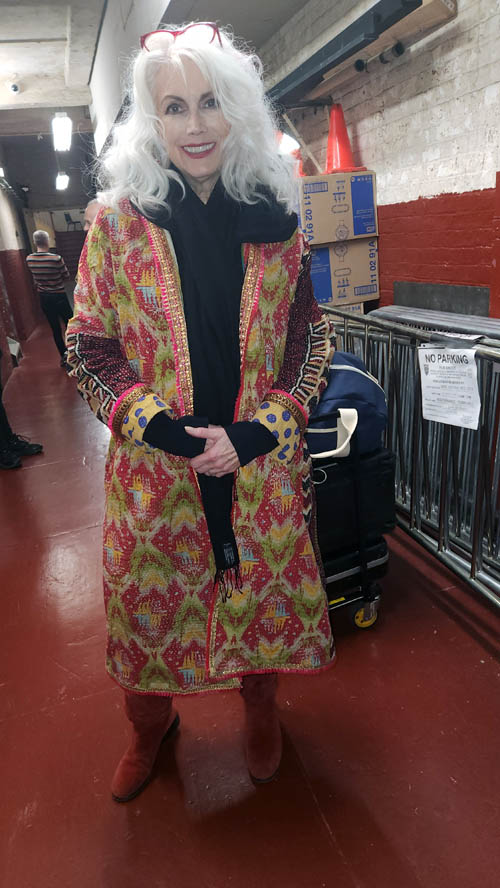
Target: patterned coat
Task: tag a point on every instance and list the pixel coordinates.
(168, 629)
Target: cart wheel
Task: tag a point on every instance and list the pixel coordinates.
(359, 620)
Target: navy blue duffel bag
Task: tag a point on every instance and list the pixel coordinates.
(353, 401)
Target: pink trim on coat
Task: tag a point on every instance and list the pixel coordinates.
(237, 675)
(118, 402)
(291, 398)
(167, 314)
(253, 312)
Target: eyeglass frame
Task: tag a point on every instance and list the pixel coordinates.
(181, 31)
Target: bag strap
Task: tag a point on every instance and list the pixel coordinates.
(347, 422)
(355, 470)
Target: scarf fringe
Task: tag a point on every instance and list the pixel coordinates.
(228, 580)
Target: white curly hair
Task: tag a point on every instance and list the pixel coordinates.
(136, 163)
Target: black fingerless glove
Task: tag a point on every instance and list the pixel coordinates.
(169, 435)
(250, 439)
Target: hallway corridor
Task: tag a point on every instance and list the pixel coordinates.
(390, 775)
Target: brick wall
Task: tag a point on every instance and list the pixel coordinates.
(317, 22)
(446, 240)
(427, 123)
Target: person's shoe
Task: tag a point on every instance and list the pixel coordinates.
(263, 742)
(153, 720)
(23, 446)
(9, 459)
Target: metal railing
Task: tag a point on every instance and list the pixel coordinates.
(447, 478)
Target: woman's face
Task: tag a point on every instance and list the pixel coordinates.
(194, 129)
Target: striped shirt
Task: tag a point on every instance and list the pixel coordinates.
(49, 272)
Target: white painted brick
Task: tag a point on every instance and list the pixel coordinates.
(429, 120)
(306, 32)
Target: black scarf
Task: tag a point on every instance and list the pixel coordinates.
(207, 240)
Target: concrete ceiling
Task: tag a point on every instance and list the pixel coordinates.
(47, 49)
(32, 164)
(254, 20)
(15, 122)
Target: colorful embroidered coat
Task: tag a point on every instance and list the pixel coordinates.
(168, 629)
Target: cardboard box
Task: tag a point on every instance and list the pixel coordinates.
(346, 272)
(355, 308)
(337, 207)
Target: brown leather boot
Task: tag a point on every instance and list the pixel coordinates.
(263, 744)
(153, 719)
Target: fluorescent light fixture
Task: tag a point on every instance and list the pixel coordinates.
(2, 174)
(288, 145)
(62, 181)
(62, 126)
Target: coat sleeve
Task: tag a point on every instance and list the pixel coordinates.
(304, 372)
(104, 376)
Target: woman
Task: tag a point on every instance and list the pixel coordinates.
(198, 340)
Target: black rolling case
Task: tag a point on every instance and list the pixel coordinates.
(355, 501)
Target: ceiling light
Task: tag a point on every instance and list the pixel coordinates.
(2, 174)
(62, 181)
(62, 126)
(288, 145)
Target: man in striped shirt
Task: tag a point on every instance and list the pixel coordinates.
(49, 272)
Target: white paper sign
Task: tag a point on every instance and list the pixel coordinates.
(449, 385)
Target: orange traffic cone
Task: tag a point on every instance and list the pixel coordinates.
(338, 150)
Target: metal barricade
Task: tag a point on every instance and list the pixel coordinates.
(447, 478)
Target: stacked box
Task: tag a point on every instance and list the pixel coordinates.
(337, 207)
(345, 272)
(338, 216)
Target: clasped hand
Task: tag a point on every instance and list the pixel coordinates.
(219, 457)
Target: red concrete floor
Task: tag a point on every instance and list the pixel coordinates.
(390, 776)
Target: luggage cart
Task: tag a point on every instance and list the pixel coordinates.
(447, 477)
(355, 505)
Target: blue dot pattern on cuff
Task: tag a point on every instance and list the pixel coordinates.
(283, 452)
(137, 419)
(283, 425)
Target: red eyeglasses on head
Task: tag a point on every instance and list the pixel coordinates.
(162, 39)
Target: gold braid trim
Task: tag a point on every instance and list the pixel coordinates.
(291, 405)
(170, 285)
(125, 406)
(248, 294)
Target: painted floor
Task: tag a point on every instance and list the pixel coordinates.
(390, 776)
